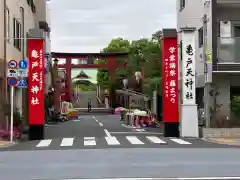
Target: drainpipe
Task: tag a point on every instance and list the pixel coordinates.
(4, 93)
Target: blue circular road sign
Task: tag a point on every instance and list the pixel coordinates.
(12, 81)
(23, 64)
(12, 64)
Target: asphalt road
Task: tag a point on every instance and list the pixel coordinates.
(104, 132)
(119, 163)
(87, 149)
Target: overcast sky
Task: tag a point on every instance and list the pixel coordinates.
(89, 25)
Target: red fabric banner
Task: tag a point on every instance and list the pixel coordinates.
(170, 80)
(36, 115)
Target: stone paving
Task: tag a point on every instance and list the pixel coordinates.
(4, 144)
(227, 140)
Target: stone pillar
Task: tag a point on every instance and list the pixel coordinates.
(189, 114)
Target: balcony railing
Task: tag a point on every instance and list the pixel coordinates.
(228, 50)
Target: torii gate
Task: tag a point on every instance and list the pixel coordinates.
(87, 61)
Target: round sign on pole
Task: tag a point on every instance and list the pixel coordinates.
(12, 64)
(23, 64)
(12, 81)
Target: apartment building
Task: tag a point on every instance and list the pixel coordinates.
(223, 40)
(20, 17)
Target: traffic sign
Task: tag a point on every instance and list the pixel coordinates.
(12, 81)
(23, 64)
(22, 83)
(23, 73)
(12, 73)
(12, 64)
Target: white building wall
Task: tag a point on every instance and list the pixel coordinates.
(191, 16)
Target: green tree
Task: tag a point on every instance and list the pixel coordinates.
(144, 54)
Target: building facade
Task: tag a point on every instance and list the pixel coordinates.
(19, 17)
(223, 40)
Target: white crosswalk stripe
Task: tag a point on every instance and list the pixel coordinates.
(89, 141)
(134, 140)
(114, 141)
(180, 141)
(67, 142)
(156, 140)
(44, 143)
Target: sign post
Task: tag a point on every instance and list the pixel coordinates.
(12, 81)
(170, 83)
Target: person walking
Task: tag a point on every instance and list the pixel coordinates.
(89, 105)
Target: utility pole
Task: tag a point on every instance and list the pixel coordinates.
(207, 88)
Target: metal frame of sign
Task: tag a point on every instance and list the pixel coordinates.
(11, 62)
(10, 78)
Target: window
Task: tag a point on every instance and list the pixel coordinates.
(16, 34)
(7, 24)
(182, 4)
(22, 41)
(200, 37)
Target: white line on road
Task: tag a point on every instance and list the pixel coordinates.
(89, 138)
(180, 141)
(107, 133)
(188, 178)
(111, 140)
(100, 124)
(134, 140)
(136, 132)
(155, 140)
(67, 142)
(44, 143)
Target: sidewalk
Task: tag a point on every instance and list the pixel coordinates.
(227, 140)
(4, 144)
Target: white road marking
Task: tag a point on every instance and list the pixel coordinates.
(100, 124)
(134, 140)
(44, 143)
(89, 138)
(112, 140)
(134, 132)
(155, 140)
(89, 141)
(167, 178)
(179, 141)
(107, 133)
(67, 142)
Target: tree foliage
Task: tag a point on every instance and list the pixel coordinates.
(144, 55)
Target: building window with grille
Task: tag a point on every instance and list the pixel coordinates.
(200, 37)
(182, 4)
(17, 34)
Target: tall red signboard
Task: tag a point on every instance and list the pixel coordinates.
(170, 80)
(36, 82)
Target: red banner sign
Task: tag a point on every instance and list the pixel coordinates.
(170, 80)
(36, 115)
